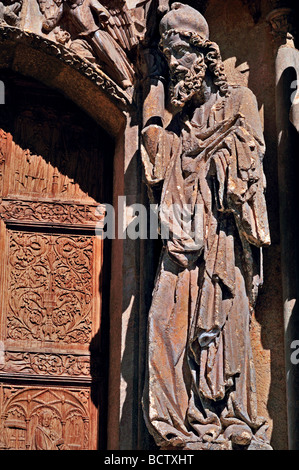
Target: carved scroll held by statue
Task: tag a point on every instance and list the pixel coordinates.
(9, 12)
(95, 32)
(205, 170)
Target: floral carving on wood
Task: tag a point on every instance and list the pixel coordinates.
(48, 364)
(49, 288)
(48, 212)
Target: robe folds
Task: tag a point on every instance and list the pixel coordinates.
(213, 222)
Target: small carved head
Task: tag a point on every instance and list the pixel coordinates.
(45, 417)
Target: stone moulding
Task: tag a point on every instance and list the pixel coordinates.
(73, 60)
(13, 37)
(53, 213)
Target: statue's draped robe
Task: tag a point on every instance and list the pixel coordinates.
(200, 366)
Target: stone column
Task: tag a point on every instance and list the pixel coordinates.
(124, 293)
(282, 20)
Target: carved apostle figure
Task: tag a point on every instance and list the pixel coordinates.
(86, 20)
(9, 12)
(203, 166)
(45, 438)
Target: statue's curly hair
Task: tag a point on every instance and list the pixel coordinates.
(212, 56)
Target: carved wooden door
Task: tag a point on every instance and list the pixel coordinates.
(52, 370)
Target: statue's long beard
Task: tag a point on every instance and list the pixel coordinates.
(185, 83)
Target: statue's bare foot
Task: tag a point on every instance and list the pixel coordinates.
(239, 434)
(175, 442)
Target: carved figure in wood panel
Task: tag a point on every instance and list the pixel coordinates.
(9, 12)
(45, 437)
(37, 418)
(203, 163)
(97, 31)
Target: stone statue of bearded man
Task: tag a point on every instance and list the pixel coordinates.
(204, 168)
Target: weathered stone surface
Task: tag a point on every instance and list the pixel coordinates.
(208, 160)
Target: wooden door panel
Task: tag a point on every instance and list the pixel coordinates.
(51, 266)
(50, 290)
(47, 418)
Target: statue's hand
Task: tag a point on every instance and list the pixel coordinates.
(151, 136)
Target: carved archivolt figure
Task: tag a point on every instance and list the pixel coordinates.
(204, 167)
(95, 32)
(9, 12)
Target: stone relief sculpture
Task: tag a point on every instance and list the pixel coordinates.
(9, 12)
(203, 159)
(95, 32)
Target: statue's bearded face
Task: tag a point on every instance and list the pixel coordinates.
(187, 69)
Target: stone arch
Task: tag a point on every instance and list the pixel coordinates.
(56, 67)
